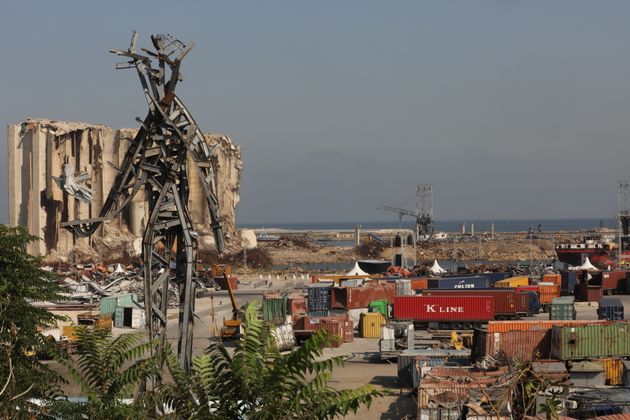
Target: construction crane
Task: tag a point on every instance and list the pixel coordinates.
(424, 211)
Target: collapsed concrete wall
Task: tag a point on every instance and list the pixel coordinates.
(38, 148)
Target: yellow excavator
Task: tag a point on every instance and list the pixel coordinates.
(231, 328)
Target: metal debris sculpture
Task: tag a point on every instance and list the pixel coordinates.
(157, 159)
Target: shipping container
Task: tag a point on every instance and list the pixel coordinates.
(351, 297)
(316, 314)
(613, 370)
(349, 283)
(534, 302)
(380, 306)
(524, 305)
(586, 293)
(601, 340)
(548, 291)
(348, 331)
(513, 282)
(370, 324)
(562, 308)
(468, 282)
(403, 287)
(502, 326)
(436, 413)
(410, 361)
(130, 317)
(504, 299)
(497, 276)
(274, 309)
(335, 330)
(613, 281)
(461, 311)
(531, 288)
(284, 337)
(419, 283)
(610, 309)
(296, 305)
(319, 297)
(568, 282)
(524, 346)
(108, 304)
(552, 278)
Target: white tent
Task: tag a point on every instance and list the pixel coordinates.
(356, 271)
(586, 266)
(436, 269)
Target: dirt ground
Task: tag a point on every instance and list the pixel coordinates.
(516, 249)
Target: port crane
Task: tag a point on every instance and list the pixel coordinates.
(423, 214)
(157, 161)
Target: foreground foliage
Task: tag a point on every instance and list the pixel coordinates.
(258, 382)
(108, 370)
(22, 375)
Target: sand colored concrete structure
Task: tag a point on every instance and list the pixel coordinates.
(38, 149)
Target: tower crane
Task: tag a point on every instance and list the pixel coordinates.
(425, 226)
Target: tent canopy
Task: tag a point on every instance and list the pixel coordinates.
(356, 271)
(586, 266)
(436, 269)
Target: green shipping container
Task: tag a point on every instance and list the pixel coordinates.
(379, 306)
(274, 309)
(108, 304)
(562, 308)
(611, 339)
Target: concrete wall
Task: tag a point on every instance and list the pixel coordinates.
(39, 148)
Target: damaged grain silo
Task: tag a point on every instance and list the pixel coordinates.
(38, 150)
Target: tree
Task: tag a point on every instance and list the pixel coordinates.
(22, 282)
(109, 370)
(258, 382)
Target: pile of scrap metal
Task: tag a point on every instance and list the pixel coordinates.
(89, 283)
(463, 392)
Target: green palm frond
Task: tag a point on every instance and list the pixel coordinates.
(258, 382)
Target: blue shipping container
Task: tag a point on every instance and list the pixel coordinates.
(495, 277)
(568, 282)
(470, 282)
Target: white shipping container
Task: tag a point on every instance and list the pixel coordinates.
(284, 337)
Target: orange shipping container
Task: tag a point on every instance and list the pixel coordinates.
(504, 326)
(552, 278)
(420, 283)
(548, 292)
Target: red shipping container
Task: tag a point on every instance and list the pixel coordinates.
(530, 288)
(351, 297)
(522, 303)
(613, 281)
(444, 308)
(419, 283)
(335, 329)
(348, 332)
(296, 305)
(504, 299)
(586, 293)
(525, 346)
(383, 291)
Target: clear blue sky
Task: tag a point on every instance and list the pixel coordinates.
(510, 109)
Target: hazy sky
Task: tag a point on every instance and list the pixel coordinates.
(510, 109)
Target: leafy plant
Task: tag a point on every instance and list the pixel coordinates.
(22, 282)
(108, 370)
(258, 382)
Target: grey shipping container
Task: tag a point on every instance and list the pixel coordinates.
(407, 368)
(468, 282)
(610, 309)
(562, 308)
